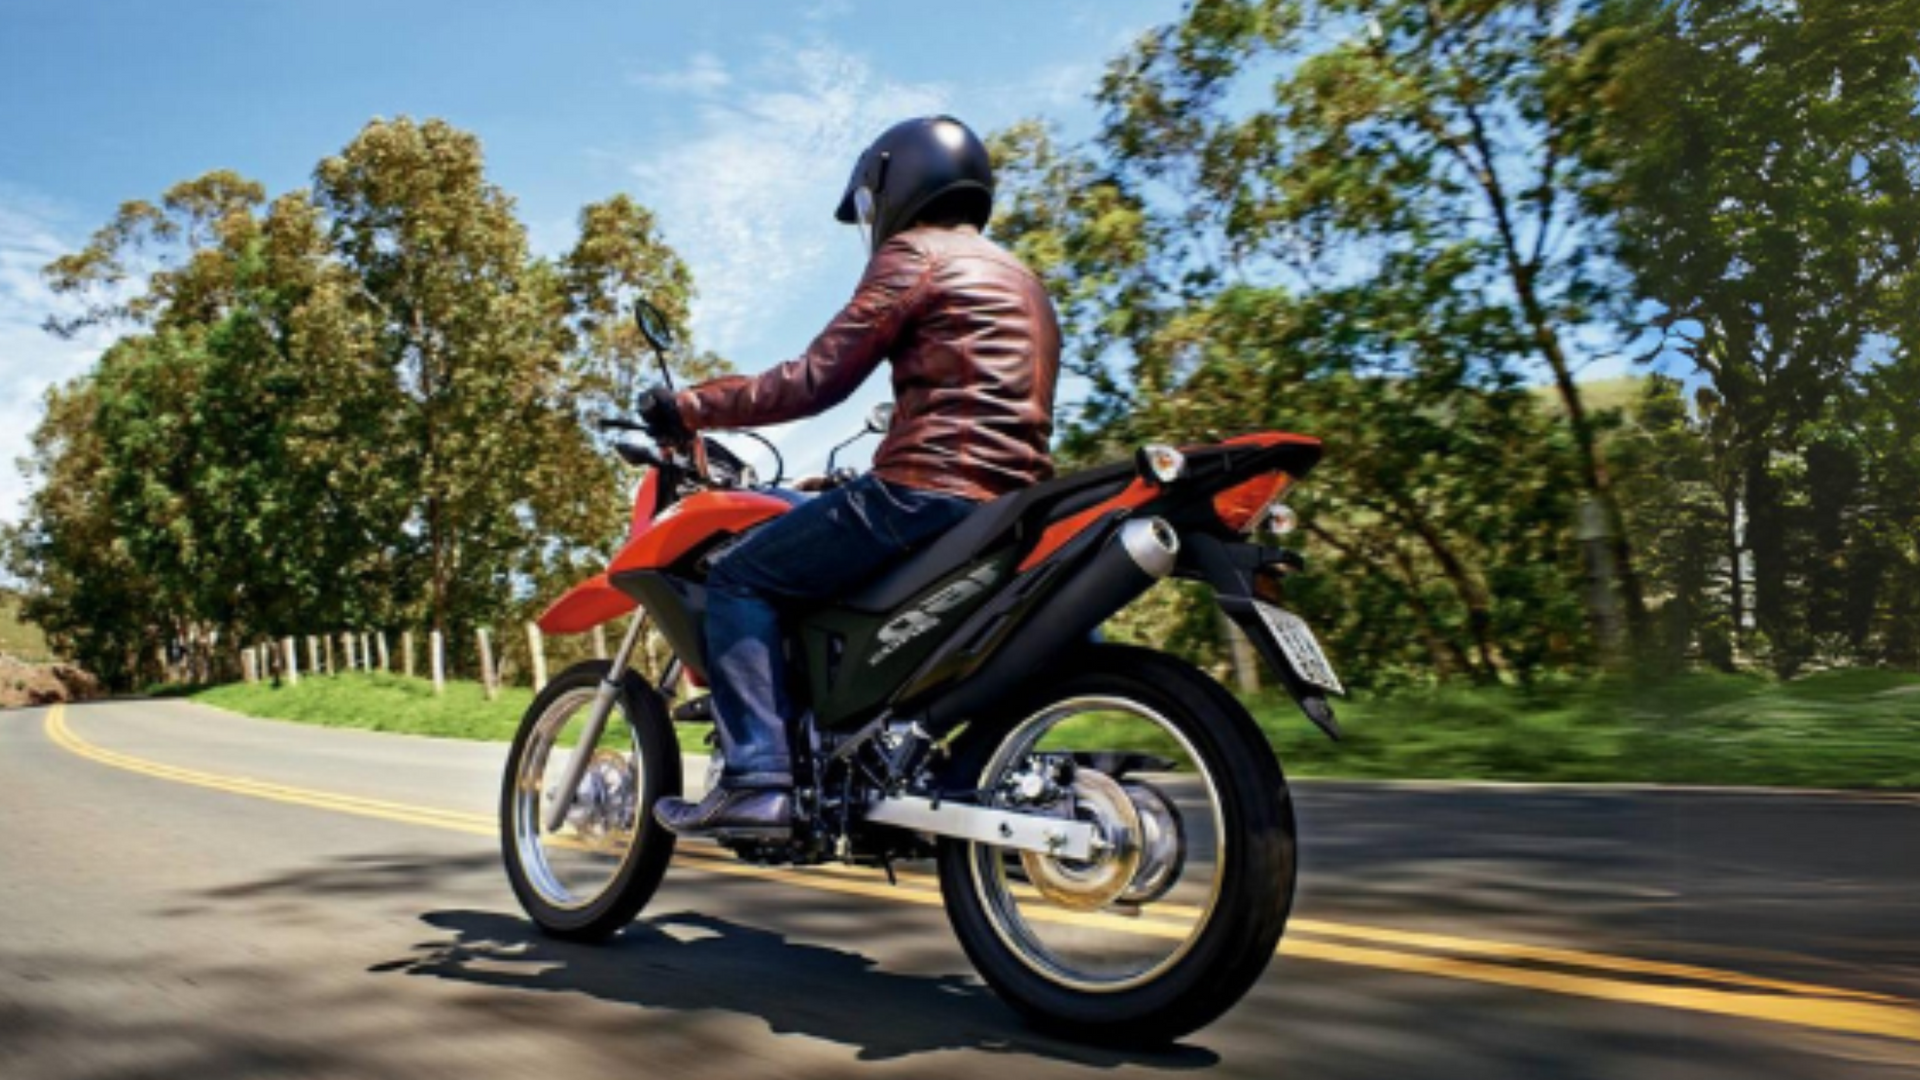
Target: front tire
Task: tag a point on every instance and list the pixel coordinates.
(1112, 950)
(592, 876)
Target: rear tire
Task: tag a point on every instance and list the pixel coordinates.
(637, 746)
(1248, 834)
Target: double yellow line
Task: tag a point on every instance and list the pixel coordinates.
(1572, 972)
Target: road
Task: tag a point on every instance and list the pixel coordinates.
(190, 894)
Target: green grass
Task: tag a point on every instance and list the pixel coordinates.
(381, 702)
(1842, 729)
(20, 640)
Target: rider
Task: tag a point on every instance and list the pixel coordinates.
(975, 351)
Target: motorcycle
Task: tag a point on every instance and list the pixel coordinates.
(1112, 835)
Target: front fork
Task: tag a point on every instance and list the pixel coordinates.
(596, 724)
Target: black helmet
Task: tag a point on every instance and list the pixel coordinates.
(909, 166)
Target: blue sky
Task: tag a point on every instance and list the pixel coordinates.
(736, 122)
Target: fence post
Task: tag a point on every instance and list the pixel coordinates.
(600, 642)
(346, 648)
(537, 649)
(293, 663)
(406, 651)
(313, 656)
(326, 643)
(439, 663)
(486, 664)
(366, 652)
(385, 660)
(247, 669)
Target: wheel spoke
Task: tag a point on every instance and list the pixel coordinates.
(1160, 857)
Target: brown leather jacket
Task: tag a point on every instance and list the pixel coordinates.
(975, 350)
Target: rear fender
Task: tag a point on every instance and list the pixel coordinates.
(1229, 568)
(585, 606)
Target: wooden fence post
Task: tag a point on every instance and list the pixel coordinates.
(439, 663)
(313, 656)
(385, 660)
(293, 663)
(326, 642)
(346, 648)
(487, 681)
(537, 649)
(406, 652)
(247, 669)
(366, 652)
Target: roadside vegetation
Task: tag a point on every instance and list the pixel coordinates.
(1840, 729)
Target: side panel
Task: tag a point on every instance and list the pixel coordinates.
(856, 662)
(584, 607)
(692, 521)
(679, 610)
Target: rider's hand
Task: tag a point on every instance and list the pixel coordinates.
(660, 411)
(812, 484)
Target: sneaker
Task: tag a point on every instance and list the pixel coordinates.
(730, 814)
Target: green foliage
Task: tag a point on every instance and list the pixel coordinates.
(356, 407)
(1758, 165)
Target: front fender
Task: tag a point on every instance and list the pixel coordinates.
(585, 606)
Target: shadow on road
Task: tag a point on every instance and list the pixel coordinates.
(692, 962)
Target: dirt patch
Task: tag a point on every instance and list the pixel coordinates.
(22, 683)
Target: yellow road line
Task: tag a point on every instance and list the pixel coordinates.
(1786, 1002)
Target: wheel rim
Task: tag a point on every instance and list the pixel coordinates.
(576, 866)
(1170, 868)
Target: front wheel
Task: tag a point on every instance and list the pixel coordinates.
(1182, 905)
(587, 879)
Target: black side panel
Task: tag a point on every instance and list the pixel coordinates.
(679, 609)
(856, 660)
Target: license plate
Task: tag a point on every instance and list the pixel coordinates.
(1302, 649)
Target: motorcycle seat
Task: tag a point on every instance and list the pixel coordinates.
(1009, 517)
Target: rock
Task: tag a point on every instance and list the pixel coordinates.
(22, 683)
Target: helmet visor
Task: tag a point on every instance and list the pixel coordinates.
(863, 216)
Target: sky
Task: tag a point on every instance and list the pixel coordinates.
(736, 122)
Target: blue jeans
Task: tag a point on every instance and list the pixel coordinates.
(820, 549)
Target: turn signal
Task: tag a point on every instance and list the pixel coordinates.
(1281, 519)
(1161, 464)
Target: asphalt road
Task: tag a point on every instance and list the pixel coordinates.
(188, 894)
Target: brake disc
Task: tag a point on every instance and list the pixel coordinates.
(1092, 884)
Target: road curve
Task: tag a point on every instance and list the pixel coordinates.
(192, 894)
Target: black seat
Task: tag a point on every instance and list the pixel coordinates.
(984, 529)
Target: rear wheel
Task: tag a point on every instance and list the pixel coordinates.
(1184, 902)
(590, 877)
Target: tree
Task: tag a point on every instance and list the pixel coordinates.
(343, 409)
(1758, 165)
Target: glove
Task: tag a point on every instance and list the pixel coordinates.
(660, 411)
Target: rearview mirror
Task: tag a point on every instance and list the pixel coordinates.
(653, 326)
(881, 418)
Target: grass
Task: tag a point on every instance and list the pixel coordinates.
(20, 640)
(1841, 729)
(376, 701)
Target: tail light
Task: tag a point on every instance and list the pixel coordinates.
(1241, 506)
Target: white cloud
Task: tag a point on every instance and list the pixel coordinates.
(32, 233)
(704, 74)
(746, 199)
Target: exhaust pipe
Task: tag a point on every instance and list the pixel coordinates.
(1128, 564)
